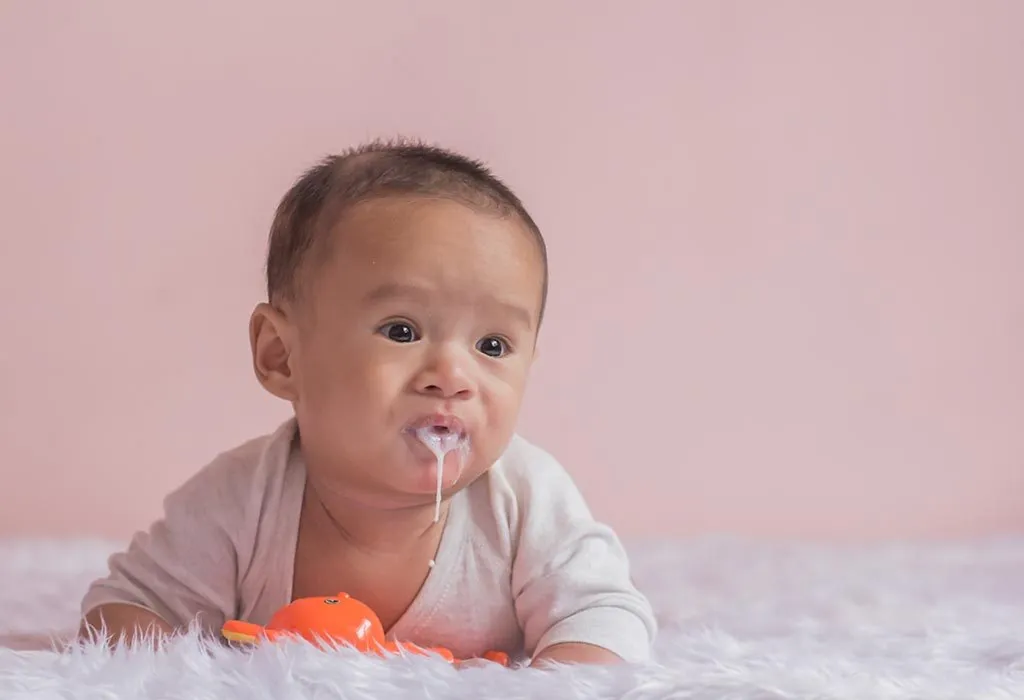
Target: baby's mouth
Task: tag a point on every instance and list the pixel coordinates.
(440, 434)
(438, 427)
(439, 438)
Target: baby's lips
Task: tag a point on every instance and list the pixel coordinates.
(439, 422)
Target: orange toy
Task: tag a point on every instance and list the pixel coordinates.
(340, 619)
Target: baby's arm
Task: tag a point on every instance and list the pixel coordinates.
(575, 653)
(183, 569)
(574, 595)
(122, 619)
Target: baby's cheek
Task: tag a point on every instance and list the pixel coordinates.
(491, 449)
(502, 407)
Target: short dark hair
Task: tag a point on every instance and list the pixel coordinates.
(374, 170)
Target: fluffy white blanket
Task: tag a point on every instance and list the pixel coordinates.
(740, 621)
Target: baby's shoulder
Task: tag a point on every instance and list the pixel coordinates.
(526, 481)
(236, 476)
(523, 465)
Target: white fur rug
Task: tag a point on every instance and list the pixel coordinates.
(740, 621)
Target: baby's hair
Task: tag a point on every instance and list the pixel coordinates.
(374, 170)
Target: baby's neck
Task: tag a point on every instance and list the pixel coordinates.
(367, 527)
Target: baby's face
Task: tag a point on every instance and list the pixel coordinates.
(426, 313)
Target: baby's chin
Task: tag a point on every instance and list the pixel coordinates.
(404, 473)
(422, 472)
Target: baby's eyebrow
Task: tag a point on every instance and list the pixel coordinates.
(397, 290)
(394, 290)
(520, 314)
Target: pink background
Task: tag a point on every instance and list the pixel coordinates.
(786, 241)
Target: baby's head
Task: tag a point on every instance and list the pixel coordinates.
(406, 287)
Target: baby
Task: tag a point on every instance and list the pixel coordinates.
(406, 286)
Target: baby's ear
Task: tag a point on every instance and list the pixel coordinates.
(271, 338)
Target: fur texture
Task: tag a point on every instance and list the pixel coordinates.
(740, 621)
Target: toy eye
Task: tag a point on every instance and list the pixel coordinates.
(331, 601)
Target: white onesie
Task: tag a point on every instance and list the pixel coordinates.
(521, 565)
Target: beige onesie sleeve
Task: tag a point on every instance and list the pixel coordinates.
(184, 568)
(571, 575)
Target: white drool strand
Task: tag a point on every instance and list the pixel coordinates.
(440, 444)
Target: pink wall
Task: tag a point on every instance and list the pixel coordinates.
(786, 242)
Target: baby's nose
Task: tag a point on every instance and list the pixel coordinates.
(447, 378)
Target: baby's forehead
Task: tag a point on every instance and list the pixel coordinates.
(435, 253)
(420, 228)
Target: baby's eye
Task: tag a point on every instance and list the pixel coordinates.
(399, 332)
(492, 346)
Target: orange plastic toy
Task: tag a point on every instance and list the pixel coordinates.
(340, 619)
